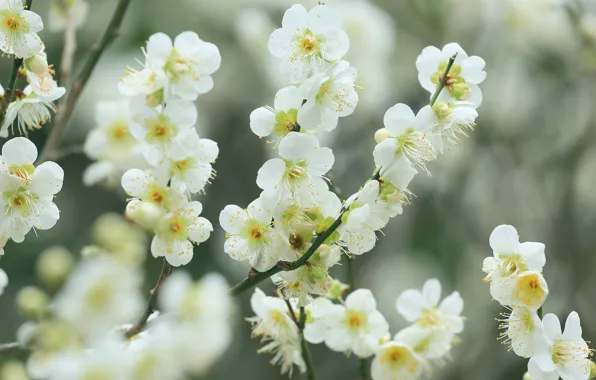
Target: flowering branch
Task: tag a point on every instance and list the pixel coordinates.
(166, 270)
(12, 80)
(78, 86)
(255, 277)
(443, 81)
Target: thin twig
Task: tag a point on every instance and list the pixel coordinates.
(70, 48)
(8, 347)
(112, 31)
(306, 355)
(363, 368)
(166, 270)
(443, 81)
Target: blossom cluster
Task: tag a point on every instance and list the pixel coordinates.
(153, 130)
(296, 203)
(32, 106)
(354, 325)
(84, 332)
(299, 217)
(516, 282)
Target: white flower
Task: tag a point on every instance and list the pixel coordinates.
(522, 331)
(329, 96)
(430, 344)
(163, 133)
(366, 214)
(176, 232)
(44, 85)
(188, 63)
(191, 173)
(146, 82)
(359, 327)
(100, 294)
(463, 77)
(18, 29)
(300, 170)
(282, 119)
(273, 324)
(452, 120)
(149, 186)
(62, 11)
(320, 319)
(308, 41)
(393, 184)
(423, 308)
(28, 191)
(396, 360)
(3, 281)
(408, 137)
(515, 270)
(250, 236)
(111, 144)
(207, 301)
(33, 110)
(564, 352)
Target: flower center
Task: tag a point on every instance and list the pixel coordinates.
(174, 227)
(295, 171)
(570, 353)
(160, 129)
(355, 320)
(530, 291)
(399, 357)
(13, 23)
(285, 122)
(119, 132)
(429, 318)
(23, 172)
(512, 265)
(99, 296)
(455, 83)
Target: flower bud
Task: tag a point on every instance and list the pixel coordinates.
(442, 110)
(592, 370)
(32, 302)
(527, 376)
(53, 265)
(381, 135)
(14, 370)
(154, 99)
(37, 64)
(145, 214)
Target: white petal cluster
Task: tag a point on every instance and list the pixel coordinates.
(150, 140)
(33, 106)
(516, 281)
(190, 333)
(356, 326)
(28, 191)
(274, 325)
(18, 29)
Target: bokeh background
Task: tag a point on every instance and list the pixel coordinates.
(531, 161)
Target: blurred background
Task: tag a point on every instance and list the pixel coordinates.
(531, 161)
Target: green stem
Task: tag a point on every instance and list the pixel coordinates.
(443, 81)
(363, 367)
(139, 326)
(111, 32)
(306, 355)
(8, 347)
(283, 266)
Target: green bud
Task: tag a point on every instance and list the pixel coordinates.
(442, 110)
(592, 370)
(53, 265)
(154, 99)
(337, 290)
(32, 302)
(460, 91)
(14, 370)
(37, 64)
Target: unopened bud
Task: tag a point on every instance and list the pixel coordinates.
(527, 376)
(32, 302)
(145, 214)
(14, 370)
(461, 91)
(381, 135)
(442, 110)
(592, 370)
(53, 265)
(37, 64)
(337, 290)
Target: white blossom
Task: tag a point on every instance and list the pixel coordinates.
(18, 29)
(308, 41)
